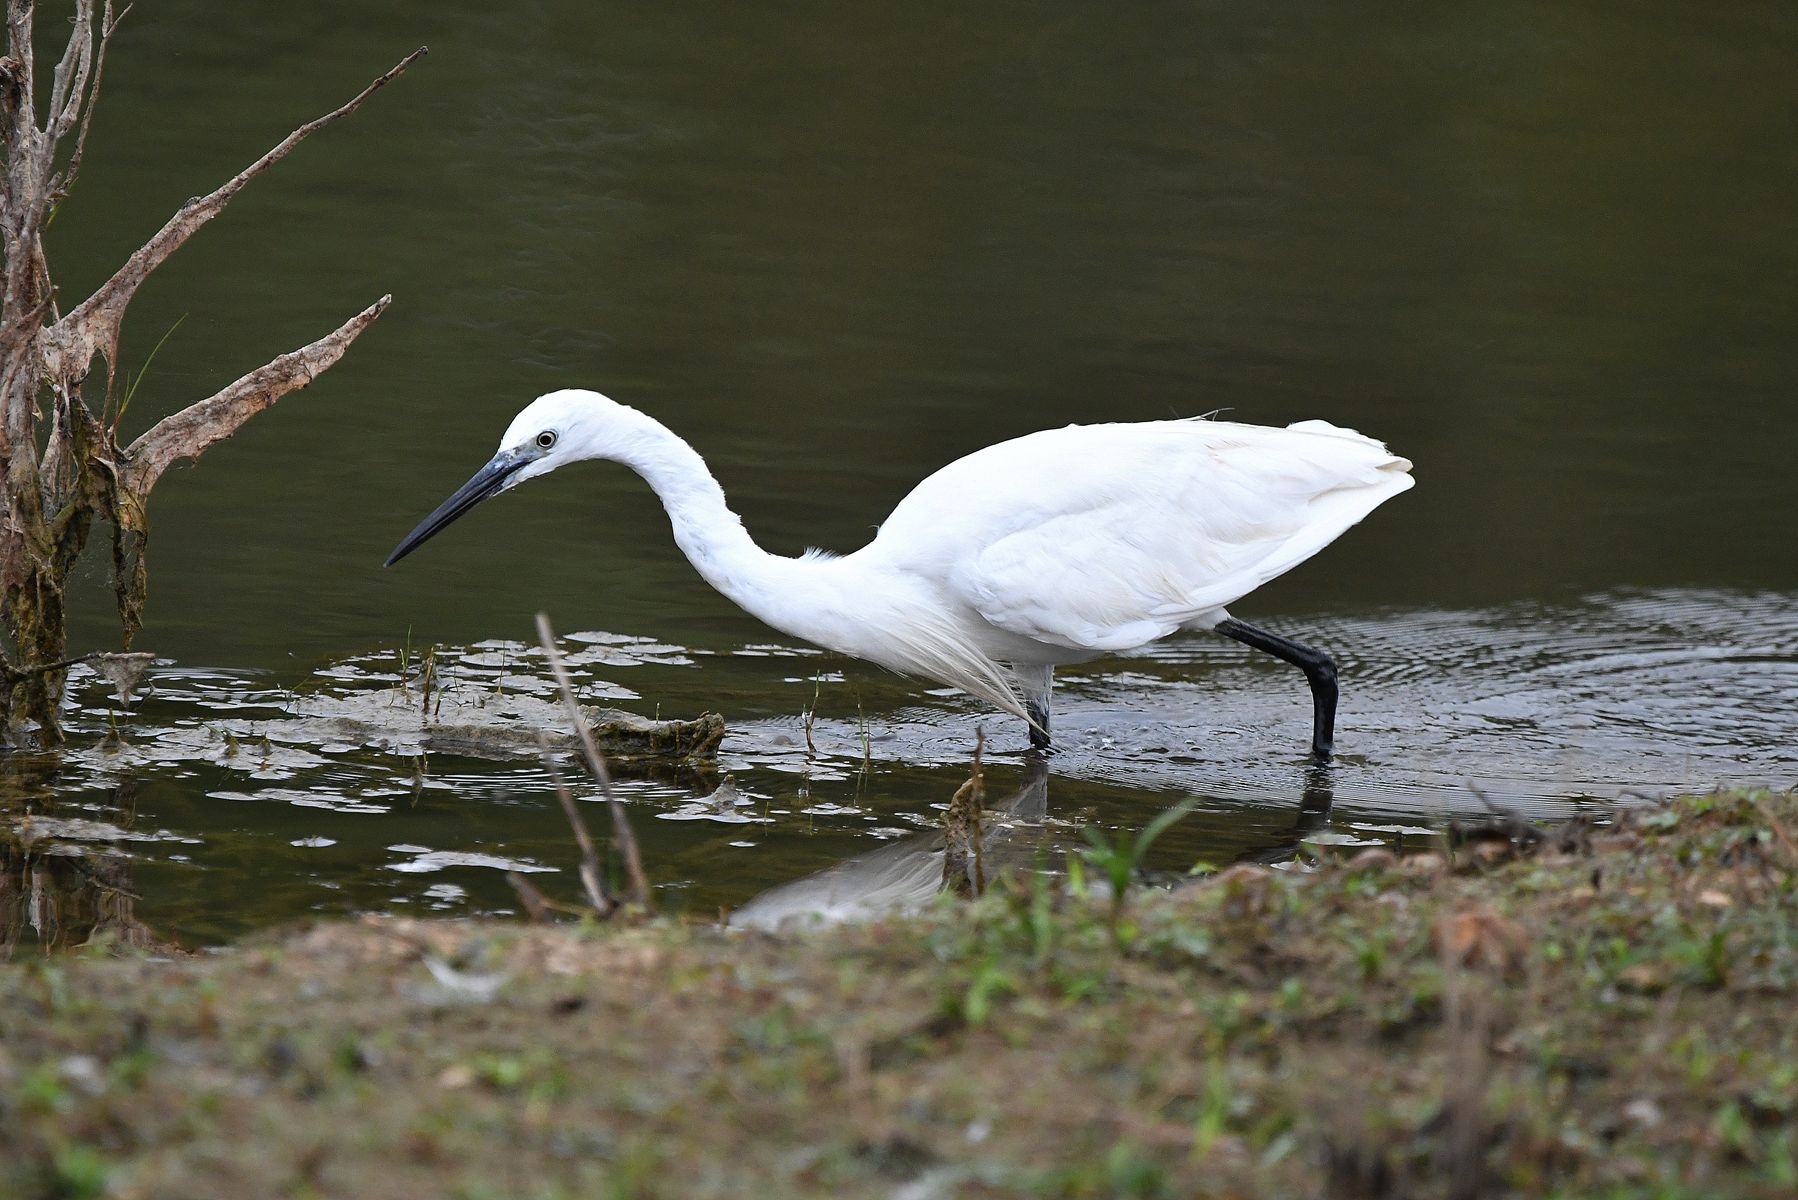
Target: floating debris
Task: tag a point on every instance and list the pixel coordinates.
(123, 671)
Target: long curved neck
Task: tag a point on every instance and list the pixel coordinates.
(707, 531)
(851, 605)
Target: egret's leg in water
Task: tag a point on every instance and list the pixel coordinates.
(1319, 669)
(1038, 683)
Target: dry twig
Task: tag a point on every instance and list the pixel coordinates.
(596, 763)
(536, 904)
(593, 880)
(964, 869)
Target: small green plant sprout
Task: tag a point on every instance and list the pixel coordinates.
(1118, 860)
(989, 982)
(1031, 900)
(405, 655)
(427, 676)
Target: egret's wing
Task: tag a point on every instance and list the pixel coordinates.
(1133, 531)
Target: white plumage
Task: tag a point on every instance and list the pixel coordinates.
(1048, 549)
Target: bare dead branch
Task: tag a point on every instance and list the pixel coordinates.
(593, 879)
(66, 89)
(188, 433)
(65, 179)
(40, 668)
(20, 66)
(55, 467)
(60, 469)
(27, 292)
(92, 327)
(596, 763)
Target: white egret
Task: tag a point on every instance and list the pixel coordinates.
(1053, 548)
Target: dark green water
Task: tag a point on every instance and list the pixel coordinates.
(1544, 250)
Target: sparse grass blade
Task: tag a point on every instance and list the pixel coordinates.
(1160, 825)
(133, 381)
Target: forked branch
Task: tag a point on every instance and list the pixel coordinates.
(61, 467)
(93, 326)
(188, 433)
(83, 103)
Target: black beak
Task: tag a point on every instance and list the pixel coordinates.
(486, 483)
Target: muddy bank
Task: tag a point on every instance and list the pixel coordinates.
(1606, 1013)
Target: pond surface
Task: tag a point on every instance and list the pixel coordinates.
(1544, 251)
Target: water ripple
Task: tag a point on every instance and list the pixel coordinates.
(1535, 704)
(262, 803)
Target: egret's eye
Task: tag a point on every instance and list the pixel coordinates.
(546, 439)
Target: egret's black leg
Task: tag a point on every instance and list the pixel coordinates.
(1039, 723)
(1319, 669)
(1037, 684)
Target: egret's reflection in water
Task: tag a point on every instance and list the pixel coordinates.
(1312, 815)
(1015, 835)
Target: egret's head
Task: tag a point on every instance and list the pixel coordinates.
(552, 431)
(559, 428)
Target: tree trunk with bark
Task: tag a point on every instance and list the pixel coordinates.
(61, 462)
